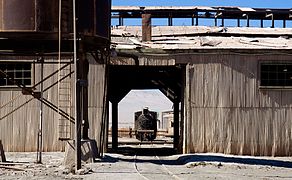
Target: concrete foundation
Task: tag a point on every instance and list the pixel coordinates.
(88, 152)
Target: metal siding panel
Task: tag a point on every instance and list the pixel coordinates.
(96, 107)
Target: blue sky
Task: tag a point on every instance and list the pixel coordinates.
(287, 4)
(243, 3)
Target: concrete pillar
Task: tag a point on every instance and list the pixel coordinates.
(114, 125)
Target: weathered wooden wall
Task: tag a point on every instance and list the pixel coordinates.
(227, 112)
(18, 131)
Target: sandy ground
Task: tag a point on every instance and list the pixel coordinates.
(119, 166)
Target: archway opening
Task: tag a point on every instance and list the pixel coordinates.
(128, 89)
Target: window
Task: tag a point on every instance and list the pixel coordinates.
(276, 74)
(20, 72)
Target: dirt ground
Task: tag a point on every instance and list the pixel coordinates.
(130, 166)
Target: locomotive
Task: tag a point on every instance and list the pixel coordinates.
(145, 125)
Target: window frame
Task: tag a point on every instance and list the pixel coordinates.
(22, 71)
(272, 87)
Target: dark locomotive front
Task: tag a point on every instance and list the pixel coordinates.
(145, 125)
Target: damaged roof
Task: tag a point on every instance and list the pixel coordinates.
(201, 37)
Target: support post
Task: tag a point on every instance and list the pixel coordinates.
(197, 19)
(273, 21)
(284, 23)
(146, 27)
(222, 22)
(40, 130)
(170, 21)
(77, 112)
(187, 110)
(84, 68)
(2, 155)
(121, 21)
(114, 125)
(176, 123)
(77, 124)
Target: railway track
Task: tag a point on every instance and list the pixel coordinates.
(152, 167)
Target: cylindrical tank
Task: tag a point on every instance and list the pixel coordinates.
(29, 15)
(43, 16)
(94, 17)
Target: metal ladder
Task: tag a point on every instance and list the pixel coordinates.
(65, 104)
(65, 86)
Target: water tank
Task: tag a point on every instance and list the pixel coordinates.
(29, 15)
(43, 16)
(94, 17)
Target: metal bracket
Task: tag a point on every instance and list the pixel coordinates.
(82, 82)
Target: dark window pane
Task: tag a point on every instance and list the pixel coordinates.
(27, 81)
(2, 82)
(276, 74)
(9, 83)
(265, 68)
(27, 66)
(27, 74)
(20, 72)
(10, 74)
(264, 83)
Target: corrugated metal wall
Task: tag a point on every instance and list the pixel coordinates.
(18, 131)
(229, 113)
(97, 114)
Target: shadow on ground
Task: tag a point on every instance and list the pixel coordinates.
(184, 159)
(130, 154)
